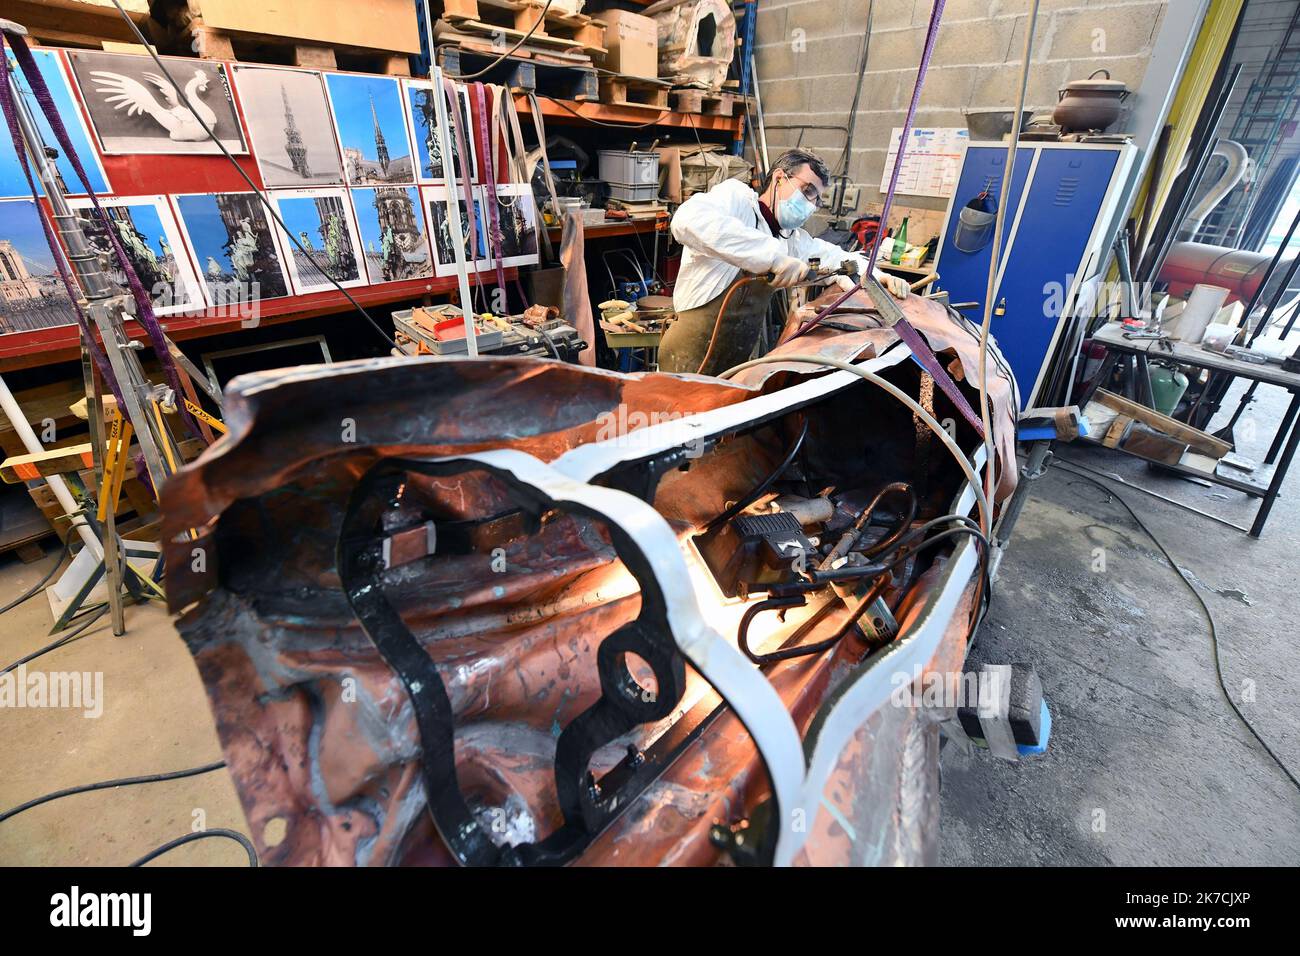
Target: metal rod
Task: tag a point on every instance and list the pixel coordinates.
(1146, 491)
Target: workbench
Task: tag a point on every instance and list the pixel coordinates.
(1119, 348)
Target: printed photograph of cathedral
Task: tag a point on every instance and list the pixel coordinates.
(148, 234)
(12, 180)
(236, 251)
(32, 295)
(424, 124)
(321, 221)
(371, 129)
(288, 120)
(444, 252)
(392, 233)
(517, 220)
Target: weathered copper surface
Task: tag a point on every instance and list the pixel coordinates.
(318, 732)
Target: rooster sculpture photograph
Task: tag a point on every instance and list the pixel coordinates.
(136, 109)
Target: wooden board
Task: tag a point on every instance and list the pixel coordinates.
(81, 23)
(211, 43)
(383, 25)
(629, 91)
(1200, 441)
(512, 20)
(706, 102)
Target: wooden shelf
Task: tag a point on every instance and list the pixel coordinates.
(630, 115)
(63, 343)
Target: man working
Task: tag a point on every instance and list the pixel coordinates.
(731, 229)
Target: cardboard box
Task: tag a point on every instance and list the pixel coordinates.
(632, 42)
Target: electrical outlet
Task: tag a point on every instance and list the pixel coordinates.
(851, 196)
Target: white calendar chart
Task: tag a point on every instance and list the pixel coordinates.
(932, 162)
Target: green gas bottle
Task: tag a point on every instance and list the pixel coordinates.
(900, 244)
(1167, 388)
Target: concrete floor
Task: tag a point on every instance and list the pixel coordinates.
(155, 719)
(1140, 732)
(1143, 743)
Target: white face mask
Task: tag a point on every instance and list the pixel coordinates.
(793, 211)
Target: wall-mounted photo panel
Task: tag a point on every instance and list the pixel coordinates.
(517, 220)
(424, 131)
(32, 295)
(12, 180)
(135, 109)
(444, 253)
(321, 220)
(234, 246)
(371, 126)
(393, 235)
(151, 239)
(289, 123)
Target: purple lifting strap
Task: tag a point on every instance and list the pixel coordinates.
(56, 251)
(490, 184)
(144, 306)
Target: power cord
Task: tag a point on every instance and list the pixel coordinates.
(67, 638)
(185, 101)
(110, 785)
(148, 778)
(39, 586)
(235, 835)
(1205, 609)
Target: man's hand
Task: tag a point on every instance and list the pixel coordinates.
(895, 285)
(788, 271)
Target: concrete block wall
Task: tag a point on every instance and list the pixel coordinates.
(807, 55)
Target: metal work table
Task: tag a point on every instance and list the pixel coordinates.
(1284, 442)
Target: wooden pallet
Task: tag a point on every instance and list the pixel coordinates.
(510, 20)
(76, 23)
(210, 43)
(550, 79)
(707, 102)
(633, 91)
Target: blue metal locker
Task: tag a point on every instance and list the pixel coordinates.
(1062, 216)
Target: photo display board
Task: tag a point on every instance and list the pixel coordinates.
(350, 162)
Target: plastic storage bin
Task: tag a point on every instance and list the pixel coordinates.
(623, 168)
(645, 193)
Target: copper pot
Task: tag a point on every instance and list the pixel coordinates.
(1090, 105)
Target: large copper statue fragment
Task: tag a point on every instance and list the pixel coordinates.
(453, 611)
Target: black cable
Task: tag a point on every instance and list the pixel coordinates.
(202, 835)
(762, 486)
(550, 343)
(66, 638)
(39, 586)
(852, 122)
(541, 17)
(1205, 609)
(185, 101)
(111, 784)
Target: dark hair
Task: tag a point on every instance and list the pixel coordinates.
(791, 160)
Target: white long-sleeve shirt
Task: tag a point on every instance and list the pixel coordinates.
(723, 231)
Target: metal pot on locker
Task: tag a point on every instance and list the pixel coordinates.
(1090, 105)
